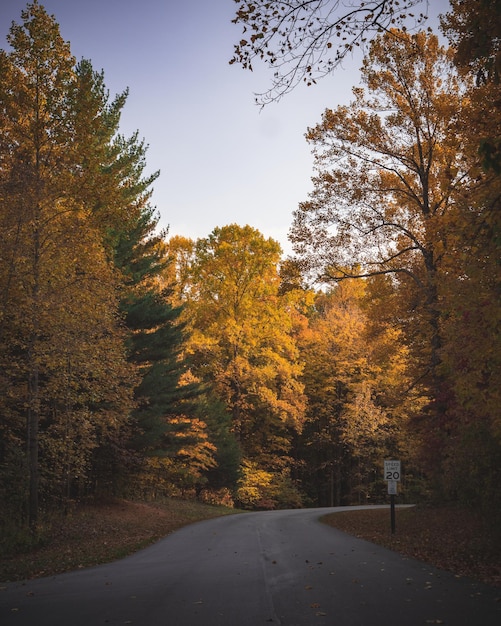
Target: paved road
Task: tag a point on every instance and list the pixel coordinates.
(271, 568)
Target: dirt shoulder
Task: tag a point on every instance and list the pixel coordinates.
(452, 539)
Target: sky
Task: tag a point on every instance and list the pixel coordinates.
(222, 158)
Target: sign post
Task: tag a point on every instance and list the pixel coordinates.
(392, 474)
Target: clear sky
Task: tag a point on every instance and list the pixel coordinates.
(222, 159)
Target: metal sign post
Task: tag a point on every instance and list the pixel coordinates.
(392, 474)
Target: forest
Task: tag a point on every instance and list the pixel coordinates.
(135, 364)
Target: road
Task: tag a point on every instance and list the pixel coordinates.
(270, 568)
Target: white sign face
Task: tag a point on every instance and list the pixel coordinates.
(392, 487)
(392, 470)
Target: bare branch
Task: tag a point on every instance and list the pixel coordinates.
(343, 274)
(305, 40)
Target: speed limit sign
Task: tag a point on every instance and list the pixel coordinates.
(392, 470)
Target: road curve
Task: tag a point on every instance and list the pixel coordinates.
(269, 568)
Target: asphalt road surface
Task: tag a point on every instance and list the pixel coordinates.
(271, 568)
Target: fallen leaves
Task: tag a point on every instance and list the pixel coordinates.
(103, 532)
(448, 538)
(316, 605)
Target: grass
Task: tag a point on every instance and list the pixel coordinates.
(449, 538)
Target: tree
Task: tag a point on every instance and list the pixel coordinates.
(241, 341)
(355, 377)
(223, 476)
(62, 190)
(166, 423)
(471, 357)
(400, 193)
(383, 199)
(472, 338)
(37, 75)
(471, 352)
(474, 28)
(304, 41)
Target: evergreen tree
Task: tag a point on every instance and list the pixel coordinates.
(167, 428)
(227, 454)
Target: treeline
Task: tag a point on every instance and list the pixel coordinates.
(90, 341)
(133, 364)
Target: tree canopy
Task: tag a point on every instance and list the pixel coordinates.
(61, 338)
(400, 192)
(241, 336)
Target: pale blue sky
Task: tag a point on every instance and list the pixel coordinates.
(222, 159)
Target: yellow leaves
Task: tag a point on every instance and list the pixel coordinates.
(169, 474)
(195, 450)
(259, 488)
(242, 330)
(355, 372)
(253, 484)
(364, 420)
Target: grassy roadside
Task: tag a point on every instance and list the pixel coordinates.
(452, 539)
(99, 533)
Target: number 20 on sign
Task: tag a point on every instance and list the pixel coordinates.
(392, 470)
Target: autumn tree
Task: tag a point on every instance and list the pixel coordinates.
(474, 29)
(241, 342)
(211, 411)
(63, 361)
(471, 345)
(398, 194)
(34, 100)
(355, 376)
(471, 357)
(472, 339)
(386, 181)
(114, 186)
(305, 41)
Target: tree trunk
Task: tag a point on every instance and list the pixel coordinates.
(33, 426)
(34, 384)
